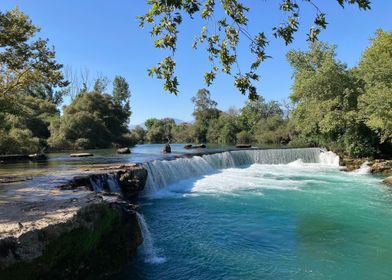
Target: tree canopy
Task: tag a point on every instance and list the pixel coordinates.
(225, 26)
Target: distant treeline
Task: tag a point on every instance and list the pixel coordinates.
(348, 110)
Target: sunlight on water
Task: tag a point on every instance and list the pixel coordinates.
(294, 220)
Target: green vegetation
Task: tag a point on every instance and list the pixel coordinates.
(346, 110)
(84, 251)
(257, 122)
(225, 25)
(32, 87)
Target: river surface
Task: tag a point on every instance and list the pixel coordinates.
(294, 220)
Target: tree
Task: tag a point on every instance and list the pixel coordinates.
(159, 131)
(92, 120)
(375, 68)
(138, 134)
(224, 129)
(25, 61)
(122, 94)
(258, 109)
(100, 84)
(229, 27)
(205, 111)
(31, 85)
(325, 95)
(183, 133)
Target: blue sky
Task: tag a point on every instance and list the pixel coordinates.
(104, 37)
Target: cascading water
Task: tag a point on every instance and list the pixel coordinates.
(148, 250)
(113, 183)
(164, 173)
(105, 182)
(363, 169)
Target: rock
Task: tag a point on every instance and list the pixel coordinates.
(38, 157)
(188, 146)
(243, 146)
(123, 151)
(388, 181)
(81, 155)
(14, 158)
(200, 146)
(132, 181)
(62, 240)
(166, 149)
(352, 164)
(382, 166)
(13, 179)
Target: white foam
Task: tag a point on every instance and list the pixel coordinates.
(149, 251)
(363, 169)
(329, 158)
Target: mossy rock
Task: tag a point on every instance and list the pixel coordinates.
(98, 241)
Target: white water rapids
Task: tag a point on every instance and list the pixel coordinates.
(166, 172)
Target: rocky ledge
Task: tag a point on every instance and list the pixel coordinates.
(82, 235)
(377, 166)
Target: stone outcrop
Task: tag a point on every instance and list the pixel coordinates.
(131, 179)
(381, 166)
(81, 155)
(388, 181)
(85, 238)
(166, 149)
(352, 164)
(377, 166)
(84, 235)
(123, 151)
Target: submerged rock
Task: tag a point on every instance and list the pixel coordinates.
(166, 149)
(123, 151)
(81, 155)
(188, 146)
(83, 238)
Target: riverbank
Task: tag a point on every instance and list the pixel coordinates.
(73, 231)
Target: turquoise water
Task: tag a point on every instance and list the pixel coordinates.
(288, 221)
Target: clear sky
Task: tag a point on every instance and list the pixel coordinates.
(104, 36)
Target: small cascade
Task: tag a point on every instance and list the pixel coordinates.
(105, 182)
(163, 173)
(329, 158)
(97, 184)
(363, 169)
(113, 184)
(166, 172)
(148, 250)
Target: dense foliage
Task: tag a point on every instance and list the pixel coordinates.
(257, 122)
(92, 120)
(346, 110)
(32, 87)
(225, 24)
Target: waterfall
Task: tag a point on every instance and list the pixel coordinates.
(329, 158)
(105, 182)
(113, 183)
(162, 173)
(363, 169)
(148, 250)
